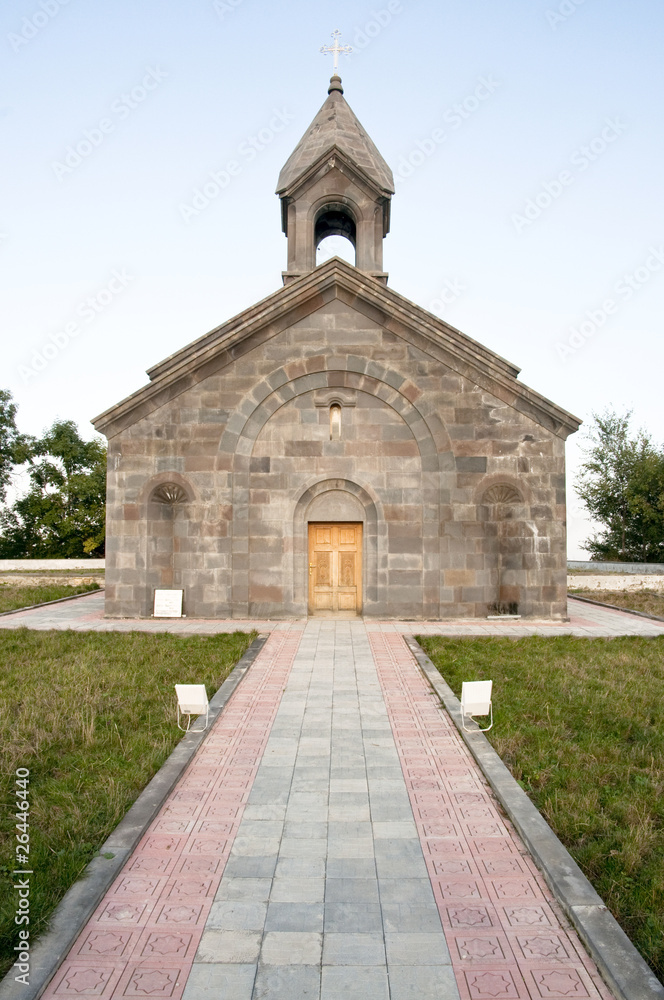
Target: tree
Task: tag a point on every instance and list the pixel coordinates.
(621, 484)
(10, 439)
(63, 512)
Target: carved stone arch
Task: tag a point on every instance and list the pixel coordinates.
(361, 504)
(498, 493)
(501, 494)
(175, 480)
(348, 372)
(336, 216)
(346, 203)
(359, 373)
(170, 494)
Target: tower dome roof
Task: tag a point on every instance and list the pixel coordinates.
(336, 126)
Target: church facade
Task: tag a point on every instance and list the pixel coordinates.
(335, 449)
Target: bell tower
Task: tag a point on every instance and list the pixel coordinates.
(335, 183)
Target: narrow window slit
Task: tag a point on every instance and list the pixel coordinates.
(335, 422)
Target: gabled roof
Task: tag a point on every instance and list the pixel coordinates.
(300, 298)
(335, 126)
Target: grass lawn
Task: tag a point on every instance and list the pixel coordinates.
(580, 723)
(13, 597)
(92, 716)
(650, 601)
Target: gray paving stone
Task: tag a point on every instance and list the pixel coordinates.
(236, 947)
(434, 982)
(286, 982)
(264, 812)
(393, 830)
(353, 917)
(349, 783)
(406, 890)
(304, 917)
(417, 949)
(410, 918)
(250, 867)
(353, 949)
(295, 847)
(247, 889)
(254, 847)
(268, 794)
(383, 812)
(291, 889)
(261, 829)
(211, 982)
(305, 830)
(356, 848)
(237, 914)
(300, 868)
(291, 948)
(354, 982)
(351, 868)
(352, 890)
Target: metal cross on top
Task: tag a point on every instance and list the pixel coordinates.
(336, 49)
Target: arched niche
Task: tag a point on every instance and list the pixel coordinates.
(507, 541)
(167, 498)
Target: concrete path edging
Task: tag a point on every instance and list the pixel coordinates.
(614, 607)
(80, 901)
(622, 967)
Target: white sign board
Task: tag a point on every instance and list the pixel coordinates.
(168, 603)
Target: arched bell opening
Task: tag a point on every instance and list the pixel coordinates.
(335, 234)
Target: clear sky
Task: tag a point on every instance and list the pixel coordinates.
(525, 135)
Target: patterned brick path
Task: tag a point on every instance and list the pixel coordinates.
(506, 935)
(142, 939)
(333, 839)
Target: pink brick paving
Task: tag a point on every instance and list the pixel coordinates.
(505, 933)
(141, 940)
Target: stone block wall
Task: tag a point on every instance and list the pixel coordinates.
(461, 495)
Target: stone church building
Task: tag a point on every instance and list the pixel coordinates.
(336, 448)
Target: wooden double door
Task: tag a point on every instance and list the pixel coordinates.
(335, 568)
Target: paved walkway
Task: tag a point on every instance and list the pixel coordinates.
(87, 614)
(333, 838)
